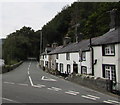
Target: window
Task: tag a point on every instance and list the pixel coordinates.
(57, 56)
(67, 56)
(109, 50)
(61, 67)
(83, 56)
(109, 72)
(56, 66)
(68, 69)
(83, 70)
(43, 56)
(46, 63)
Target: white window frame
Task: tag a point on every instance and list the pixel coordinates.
(83, 56)
(110, 72)
(61, 67)
(109, 50)
(67, 56)
(68, 68)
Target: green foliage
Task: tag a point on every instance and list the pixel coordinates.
(92, 16)
(21, 44)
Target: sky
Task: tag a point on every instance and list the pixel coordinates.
(31, 13)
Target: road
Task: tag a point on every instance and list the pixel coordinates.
(29, 84)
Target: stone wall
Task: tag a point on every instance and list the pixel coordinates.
(92, 82)
(8, 68)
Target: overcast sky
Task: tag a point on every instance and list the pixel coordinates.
(15, 15)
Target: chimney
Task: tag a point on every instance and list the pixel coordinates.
(54, 45)
(80, 37)
(114, 17)
(66, 41)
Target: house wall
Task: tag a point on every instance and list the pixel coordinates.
(41, 61)
(111, 60)
(87, 62)
(53, 61)
(98, 56)
(74, 58)
(61, 59)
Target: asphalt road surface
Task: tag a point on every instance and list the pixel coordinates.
(29, 84)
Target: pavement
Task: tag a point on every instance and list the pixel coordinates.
(30, 84)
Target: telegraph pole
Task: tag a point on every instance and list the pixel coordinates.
(40, 42)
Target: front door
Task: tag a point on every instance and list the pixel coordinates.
(75, 68)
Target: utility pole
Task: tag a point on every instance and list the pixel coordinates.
(40, 42)
(76, 33)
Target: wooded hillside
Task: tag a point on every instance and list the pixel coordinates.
(92, 17)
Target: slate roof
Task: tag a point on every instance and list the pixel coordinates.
(72, 47)
(108, 38)
(56, 50)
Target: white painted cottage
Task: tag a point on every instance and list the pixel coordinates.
(68, 58)
(107, 55)
(99, 56)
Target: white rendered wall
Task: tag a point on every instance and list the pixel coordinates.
(111, 60)
(87, 62)
(98, 56)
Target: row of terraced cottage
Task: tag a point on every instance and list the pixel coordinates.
(99, 56)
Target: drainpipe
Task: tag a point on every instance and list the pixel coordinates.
(92, 57)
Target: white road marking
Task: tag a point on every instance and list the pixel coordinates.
(9, 83)
(39, 86)
(28, 72)
(111, 101)
(29, 66)
(88, 97)
(47, 79)
(10, 100)
(31, 82)
(23, 84)
(72, 92)
(54, 89)
(93, 96)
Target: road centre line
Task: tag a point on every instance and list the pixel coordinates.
(23, 84)
(28, 72)
(9, 83)
(29, 66)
